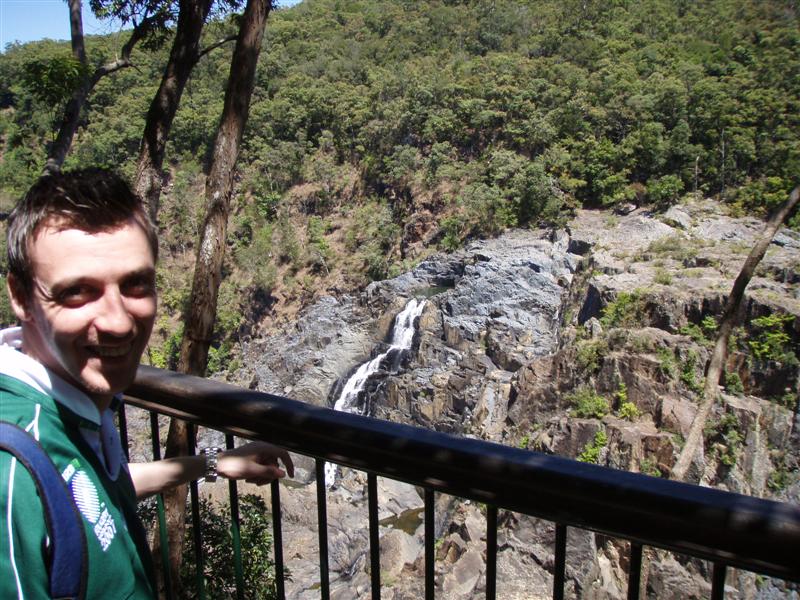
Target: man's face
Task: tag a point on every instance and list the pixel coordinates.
(92, 306)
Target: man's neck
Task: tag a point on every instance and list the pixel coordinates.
(101, 402)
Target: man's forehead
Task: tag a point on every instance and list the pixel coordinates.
(60, 223)
(63, 233)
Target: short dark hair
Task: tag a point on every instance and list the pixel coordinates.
(92, 200)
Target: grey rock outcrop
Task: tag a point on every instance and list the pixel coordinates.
(512, 329)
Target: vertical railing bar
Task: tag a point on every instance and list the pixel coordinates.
(635, 571)
(430, 539)
(155, 436)
(718, 581)
(560, 567)
(197, 535)
(197, 538)
(277, 538)
(491, 552)
(233, 494)
(322, 526)
(123, 431)
(374, 536)
(163, 542)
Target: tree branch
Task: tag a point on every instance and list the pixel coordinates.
(215, 45)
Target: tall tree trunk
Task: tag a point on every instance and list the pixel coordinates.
(148, 184)
(182, 59)
(694, 441)
(199, 323)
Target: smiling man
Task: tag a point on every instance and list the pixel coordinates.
(81, 278)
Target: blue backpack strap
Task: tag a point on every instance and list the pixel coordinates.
(68, 567)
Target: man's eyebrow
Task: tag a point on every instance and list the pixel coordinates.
(144, 272)
(69, 282)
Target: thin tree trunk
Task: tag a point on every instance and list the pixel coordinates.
(694, 441)
(199, 323)
(182, 59)
(72, 112)
(69, 124)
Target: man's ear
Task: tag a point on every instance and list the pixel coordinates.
(18, 297)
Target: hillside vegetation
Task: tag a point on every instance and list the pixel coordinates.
(382, 130)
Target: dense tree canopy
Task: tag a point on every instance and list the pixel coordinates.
(609, 101)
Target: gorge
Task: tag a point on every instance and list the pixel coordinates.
(544, 340)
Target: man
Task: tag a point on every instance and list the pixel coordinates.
(81, 278)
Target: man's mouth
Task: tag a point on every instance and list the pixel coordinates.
(110, 351)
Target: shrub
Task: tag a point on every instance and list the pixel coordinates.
(454, 230)
(733, 383)
(709, 326)
(288, 246)
(666, 363)
(627, 310)
(689, 372)
(621, 395)
(588, 404)
(591, 453)
(726, 438)
(218, 534)
(649, 466)
(780, 476)
(772, 341)
(590, 354)
(676, 247)
(166, 356)
(629, 411)
(662, 277)
(665, 190)
(701, 334)
(704, 333)
(788, 400)
(256, 259)
(694, 332)
(319, 250)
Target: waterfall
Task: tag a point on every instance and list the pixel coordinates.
(402, 337)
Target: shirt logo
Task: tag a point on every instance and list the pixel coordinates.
(94, 511)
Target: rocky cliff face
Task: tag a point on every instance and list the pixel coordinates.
(588, 343)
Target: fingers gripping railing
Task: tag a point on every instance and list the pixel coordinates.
(728, 529)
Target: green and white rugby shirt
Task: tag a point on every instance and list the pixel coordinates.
(85, 447)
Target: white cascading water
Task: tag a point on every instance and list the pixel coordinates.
(402, 337)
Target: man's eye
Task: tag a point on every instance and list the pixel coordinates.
(75, 295)
(138, 287)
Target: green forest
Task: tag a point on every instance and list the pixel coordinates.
(382, 130)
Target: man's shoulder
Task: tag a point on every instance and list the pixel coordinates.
(19, 401)
(18, 387)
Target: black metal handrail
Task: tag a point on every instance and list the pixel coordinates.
(730, 529)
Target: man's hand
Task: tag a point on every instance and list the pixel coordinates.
(256, 462)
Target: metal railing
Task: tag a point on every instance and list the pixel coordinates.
(728, 529)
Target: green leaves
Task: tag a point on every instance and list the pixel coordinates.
(771, 342)
(504, 111)
(53, 80)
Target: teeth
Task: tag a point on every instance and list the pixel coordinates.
(111, 351)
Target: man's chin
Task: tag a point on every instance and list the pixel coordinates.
(99, 386)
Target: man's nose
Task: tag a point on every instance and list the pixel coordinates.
(113, 317)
